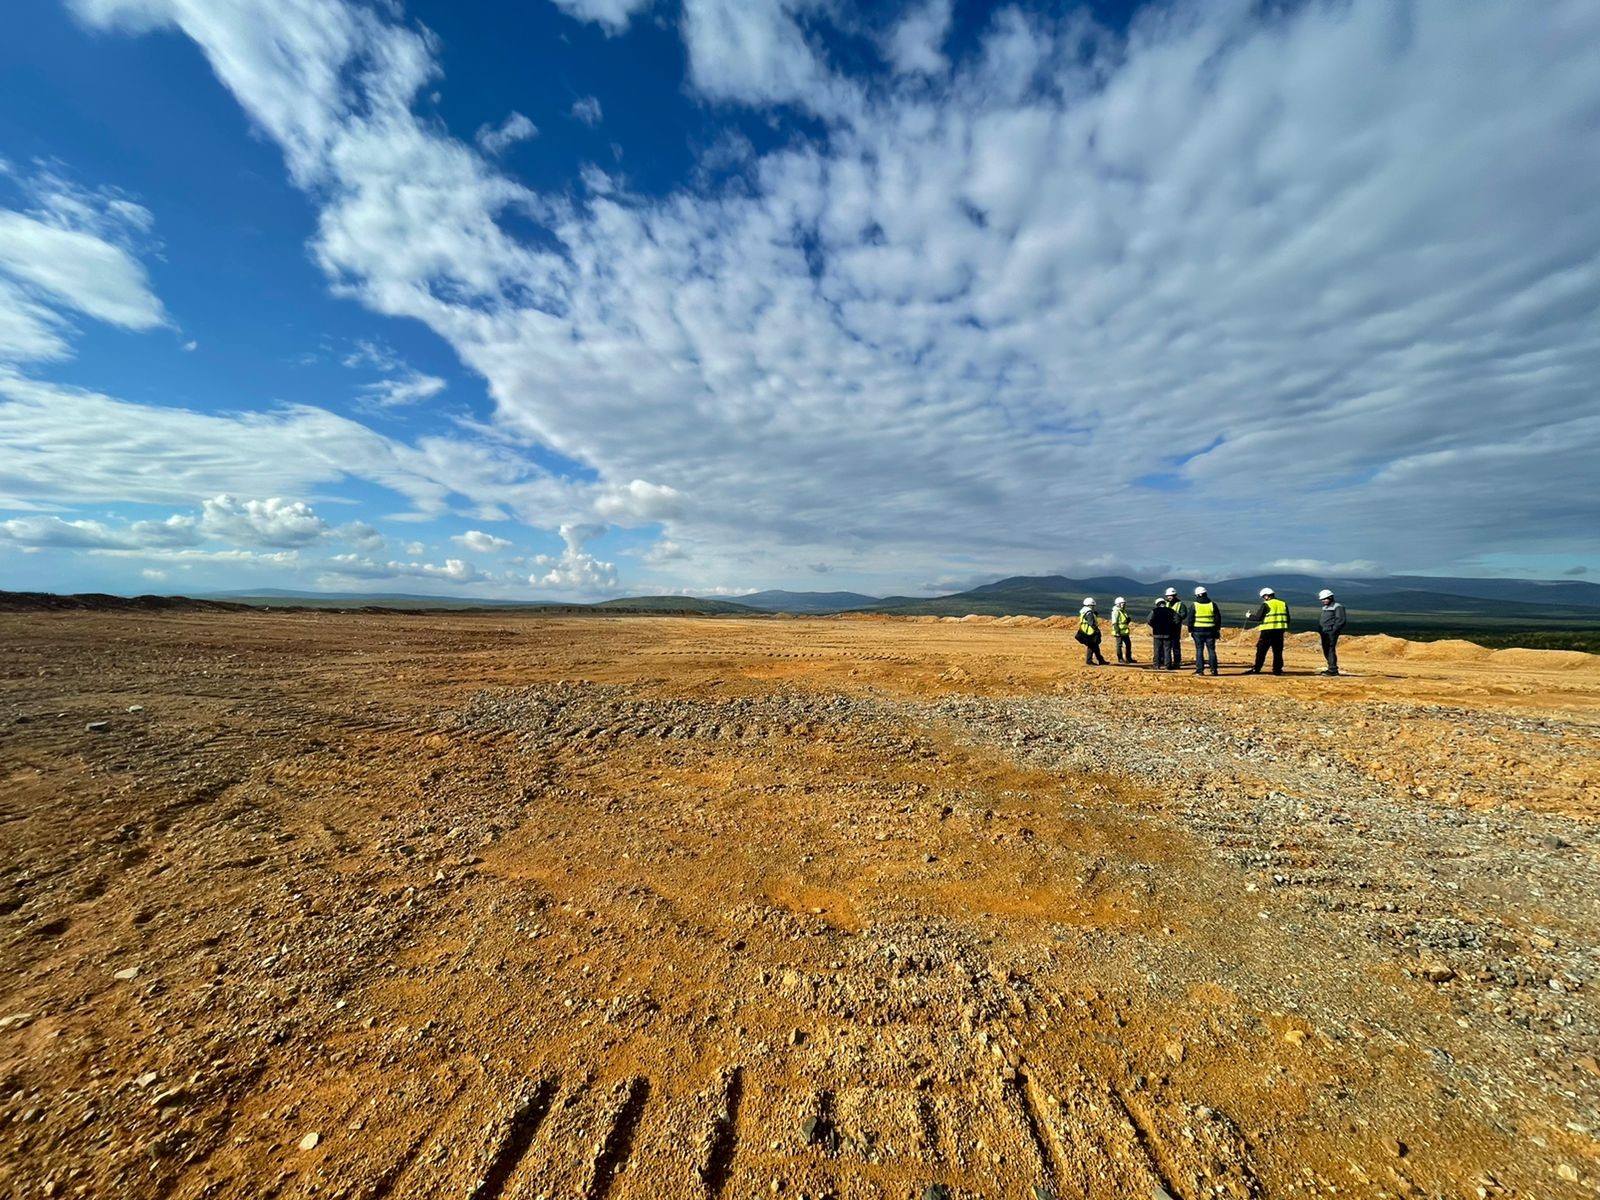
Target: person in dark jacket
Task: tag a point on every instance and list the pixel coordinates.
(1180, 614)
(1164, 627)
(1204, 620)
(1271, 617)
(1333, 621)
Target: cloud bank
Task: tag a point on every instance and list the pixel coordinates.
(1319, 283)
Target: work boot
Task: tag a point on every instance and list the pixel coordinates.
(1252, 670)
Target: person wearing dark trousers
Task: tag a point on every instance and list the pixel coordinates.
(1180, 614)
(1271, 617)
(1089, 634)
(1333, 621)
(1164, 632)
(1205, 623)
(1122, 630)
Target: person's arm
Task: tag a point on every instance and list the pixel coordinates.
(1340, 618)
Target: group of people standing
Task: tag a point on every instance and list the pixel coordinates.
(1202, 619)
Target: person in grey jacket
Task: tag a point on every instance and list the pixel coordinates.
(1333, 621)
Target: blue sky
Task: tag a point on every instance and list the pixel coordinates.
(578, 298)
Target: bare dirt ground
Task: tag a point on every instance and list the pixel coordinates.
(494, 906)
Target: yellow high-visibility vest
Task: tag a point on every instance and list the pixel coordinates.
(1206, 616)
(1119, 621)
(1277, 614)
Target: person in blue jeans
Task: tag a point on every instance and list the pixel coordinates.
(1205, 623)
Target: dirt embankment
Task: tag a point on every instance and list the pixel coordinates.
(384, 906)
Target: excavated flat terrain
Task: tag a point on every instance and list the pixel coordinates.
(492, 906)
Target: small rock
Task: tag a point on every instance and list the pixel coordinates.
(1568, 1172)
(1174, 1051)
(797, 1036)
(126, 973)
(15, 1021)
(172, 1096)
(936, 1191)
(135, 708)
(98, 726)
(1295, 1037)
(147, 1079)
(1395, 1147)
(309, 1142)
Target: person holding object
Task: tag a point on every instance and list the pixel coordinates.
(1271, 617)
(1164, 632)
(1121, 629)
(1180, 615)
(1205, 623)
(1333, 621)
(1089, 634)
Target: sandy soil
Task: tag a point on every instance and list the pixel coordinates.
(497, 906)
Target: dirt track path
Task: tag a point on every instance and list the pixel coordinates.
(584, 907)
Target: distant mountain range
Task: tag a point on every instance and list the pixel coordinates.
(1043, 595)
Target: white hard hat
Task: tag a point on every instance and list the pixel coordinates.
(1200, 591)
(1268, 592)
(1172, 591)
(1088, 601)
(1119, 600)
(1324, 594)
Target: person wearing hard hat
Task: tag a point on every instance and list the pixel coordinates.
(1205, 623)
(1121, 629)
(1271, 618)
(1164, 630)
(1333, 621)
(1180, 614)
(1089, 634)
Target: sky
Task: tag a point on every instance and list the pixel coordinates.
(572, 299)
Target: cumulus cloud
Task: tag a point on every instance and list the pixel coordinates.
(273, 522)
(1315, 282)
(611, 15)
(360, 535)
(496, 139)
(70, 251)
(355, 566)
(575, 571)
(587, 110)
(915, 44)
(483, 543)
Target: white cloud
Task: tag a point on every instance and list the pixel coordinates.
(42, 532)
(612, 15)
(754, 51)
(665, 551)
(153, 573)
(408, 389)
(72, 251)
(1320, 284)
(496, 139)
(575, 572)
(353, 566)
(361, 535)
(915, 45)
(587, 110)
(191, 346)
(1316, 566)
(482, 543)
(639, 501)
(416, 549)
(272, 522)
